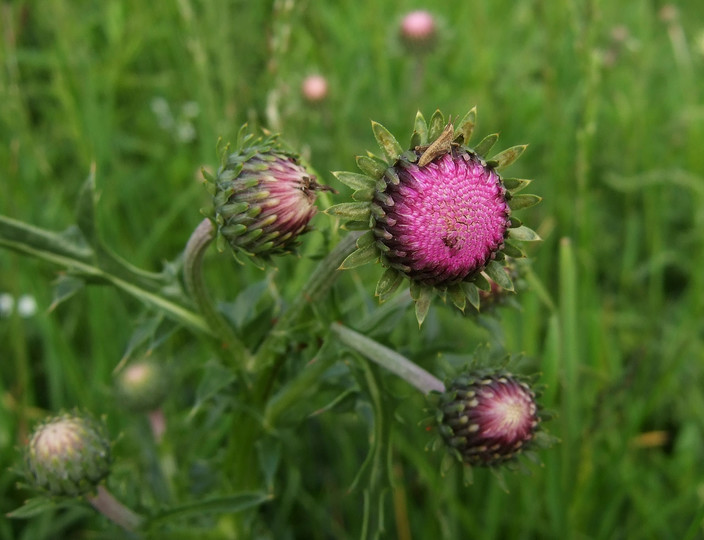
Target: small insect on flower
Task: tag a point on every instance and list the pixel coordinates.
(439, 214)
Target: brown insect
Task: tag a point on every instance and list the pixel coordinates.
(438, 147)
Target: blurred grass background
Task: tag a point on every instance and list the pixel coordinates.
(608, 94)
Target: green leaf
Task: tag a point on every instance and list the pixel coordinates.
(216, 378)
(388, 283)
(360, 257)
(508, 156)
(388, 143)
(354, 211)
(515, 185)
(486, 144)
(38, 505)
(437, 125)
(459, 299)
(64, 288)
(466, 125)
(472, 293)
(498, 273)
(366, 239)
(513, 250)
(421, 129)
(354, 180)
(371, 166)
(524, 234)
(519, 202)
(423, 304)
(480, 282)
(217, 505)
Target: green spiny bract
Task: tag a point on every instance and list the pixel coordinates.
(263, 198)
(68, 455)
(438, 214)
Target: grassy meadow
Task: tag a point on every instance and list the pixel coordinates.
(610, 98)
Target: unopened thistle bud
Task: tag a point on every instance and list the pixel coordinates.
(142, 386)
(68, 454)
(314, 88)
(263, 198)
(439, 213)
(418, 31)
(488, 419)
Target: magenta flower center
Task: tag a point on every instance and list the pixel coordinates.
(444, 221)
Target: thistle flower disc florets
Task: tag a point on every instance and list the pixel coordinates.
(488, 419)
(263, 198)
(68, 455)
(439, 213)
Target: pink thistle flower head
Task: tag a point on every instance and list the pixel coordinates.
(68, 455)
(488, 419)
(263, 198)
(314, 88)
(418, 31)
(439, 213)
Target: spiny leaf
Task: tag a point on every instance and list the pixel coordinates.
(459, 299)
(388, 283)
(472, 293)
(466, 125)
(437, 125)
(508, 156)
(520, 202)
(513, 250)
(515, 185)
(423, 304)
(486, 144)
(372, 167)
(421, 128)
(360, 257)
(354, 180)
(498, 274)
(524, 234)
(354, 211)
(388, 143)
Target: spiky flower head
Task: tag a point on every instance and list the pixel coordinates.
(142, 385)
(263, 197)
(439, 213)
(488, 418)
(68, 455)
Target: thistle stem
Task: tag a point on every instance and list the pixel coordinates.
(388, 359)
(315, 288)
(197, 244)
(114, 510)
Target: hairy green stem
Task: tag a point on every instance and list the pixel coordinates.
(315, 288)
(197, 244)
(115, 511)
(388, 359)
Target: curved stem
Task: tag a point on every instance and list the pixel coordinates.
(114, 510)
(388, 359)
(198, 243)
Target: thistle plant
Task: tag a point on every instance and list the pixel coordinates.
(438, 215)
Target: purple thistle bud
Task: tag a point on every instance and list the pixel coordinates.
(263, 198)
(68, 455)
(488, 419)
(444, 221)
